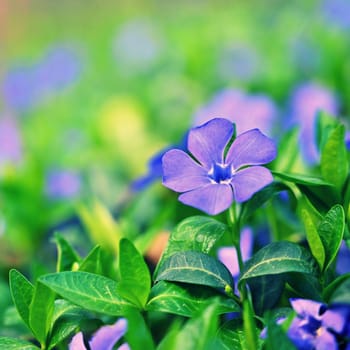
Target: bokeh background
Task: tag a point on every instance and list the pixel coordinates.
(90, 90)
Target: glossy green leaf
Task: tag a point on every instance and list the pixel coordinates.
(62, 329)
(342, 293)
(92, 292)
(334, 285)
(331, 230)
(138, 334)
(199, 333)
(22, 292)
(41, 311)
(334, 161)
(186, 299)
(311, 219)
(135, 278)
(196, 268)
(302, 179)
(196, 233)
(7, 343)
(92, 262)
(66, 255)
(232, 335)
(260, 198)
(266, 291)
(306, 286)
(279, 257)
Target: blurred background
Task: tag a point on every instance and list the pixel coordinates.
(91, 90)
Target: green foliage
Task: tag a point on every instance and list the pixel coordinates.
(197, 268)
(16, 344)
(135, 278)
(90, 291)
(186, 299)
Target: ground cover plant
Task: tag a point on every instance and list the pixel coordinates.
(160, 192)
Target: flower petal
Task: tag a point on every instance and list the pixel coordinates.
(208, 141)
(251, 148)
(306, 308)
(248, 181)
(212, 199)
(181, 173)
(77, 342)
(107, 336)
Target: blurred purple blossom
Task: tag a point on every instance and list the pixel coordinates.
(238, 61)
(347, 140)
(10, 142)
(228, 255)
(26, 85)
(316, 326)
(343, 259)
(62, 184)
(137, 45)
(247, 111)
(306, 100)
(212, 179)
(337, 12)
(103, 339)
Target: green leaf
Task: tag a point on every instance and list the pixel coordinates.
(16, 344)
(279, 257)
(195, 268)
(266, 291)
(261, 198)
(66, 255)
(331, 230)
(186, 300)
(138, 335)
(311, 219)
(22, 292)
(302, 179)
(62, 329)
(332, 287)
(334, 161)
(232, 335)
(249, 325)
(135, 278)
(199, 333)
(196, 233)
(342, 293)
(92, 292)
(277, 339)
(92, 262)
(41, 311)
(306, 286)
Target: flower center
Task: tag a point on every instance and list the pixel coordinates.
(221, 173)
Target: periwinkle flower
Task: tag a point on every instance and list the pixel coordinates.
(307, 99)
(104, 339)
(247, 111)
(337, 12)
(62, 184)
(10, 142)
(343, 259)
(318, 327)
(217, 172)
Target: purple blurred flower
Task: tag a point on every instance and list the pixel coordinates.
(343, 259)
(228, 255)
(246, 111)
(62, 184)
(103, 339)
(27, 85)
(337, 12)
(10, 142)
(213, 178)
(347, 140)
(239, 61)
(306, 100)
(317, 327)
(137, 45)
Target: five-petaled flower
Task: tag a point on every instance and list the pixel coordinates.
(218, 172)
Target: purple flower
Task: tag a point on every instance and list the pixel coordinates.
(343, 259)
(10, 142)
(216, 176)
(306, 100)
(62, 184)
(337, 12)
(103, 339)
(318, 327)
(246, 111)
